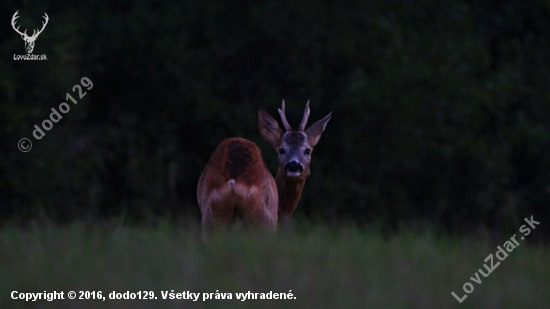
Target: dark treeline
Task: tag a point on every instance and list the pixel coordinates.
(441, 109)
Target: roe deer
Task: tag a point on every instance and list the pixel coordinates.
(236, 184)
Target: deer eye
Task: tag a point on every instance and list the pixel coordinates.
(281, 151)
(308, 151)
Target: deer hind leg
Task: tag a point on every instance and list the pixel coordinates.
(219, 213)
(259, 211)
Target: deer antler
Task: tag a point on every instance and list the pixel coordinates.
(13, 24)
(283, 118)
(43, 25)
(304, 120)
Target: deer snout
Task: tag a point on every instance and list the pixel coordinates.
(294, 168)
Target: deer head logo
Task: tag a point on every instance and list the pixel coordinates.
(29, 40)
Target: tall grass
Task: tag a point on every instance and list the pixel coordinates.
(345, 268)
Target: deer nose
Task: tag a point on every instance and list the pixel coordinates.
(294, 166)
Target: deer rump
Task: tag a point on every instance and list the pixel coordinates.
(236, 184)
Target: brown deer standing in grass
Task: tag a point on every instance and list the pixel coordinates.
(236, 183)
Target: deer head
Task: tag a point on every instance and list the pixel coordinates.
(294, 147)
(29, 40)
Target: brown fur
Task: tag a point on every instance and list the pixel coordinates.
(236, 183)
(290, 191)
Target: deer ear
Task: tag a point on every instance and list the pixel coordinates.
(269, 128)
(314, 132)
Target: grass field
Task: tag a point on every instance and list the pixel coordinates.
(345, 268)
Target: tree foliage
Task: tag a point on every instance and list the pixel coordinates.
(440, 108)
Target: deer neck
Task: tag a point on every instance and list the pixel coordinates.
(289, 190)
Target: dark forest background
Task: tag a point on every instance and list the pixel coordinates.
(441, 109)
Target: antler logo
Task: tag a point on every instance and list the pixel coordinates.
(29, 40)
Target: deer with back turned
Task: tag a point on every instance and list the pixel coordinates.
(236, 184)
